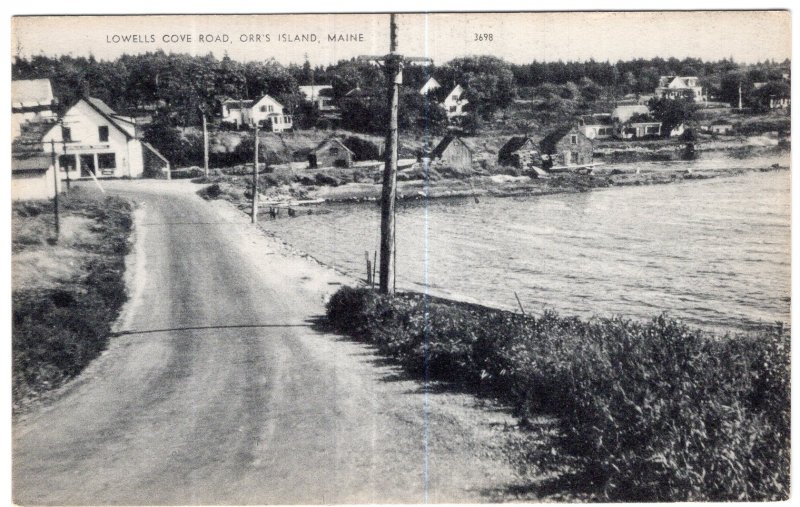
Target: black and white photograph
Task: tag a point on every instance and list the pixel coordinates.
(400, 257)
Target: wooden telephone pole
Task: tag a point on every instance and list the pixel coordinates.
(393, 69)
(205, 144)
(55, 184)
(255, 179)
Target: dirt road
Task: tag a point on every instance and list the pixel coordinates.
(221, 388)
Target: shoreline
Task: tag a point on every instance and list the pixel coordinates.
(411, 287)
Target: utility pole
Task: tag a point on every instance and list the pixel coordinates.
(55, 183)
(255, 179)
(66, 170)
(740, 95)
(205, 144)
(393, 69)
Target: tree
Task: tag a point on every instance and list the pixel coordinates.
(488, 82)
(672, 112)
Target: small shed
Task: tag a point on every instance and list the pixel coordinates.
(330, 153)
(720, 127)
(567, 146)
(520, 152)
(32, 177)
(454, 153)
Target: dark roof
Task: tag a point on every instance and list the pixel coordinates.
(333, 140)
(591, 119)
(30, 162)
(445, 143)
(513, 144)
(31, 135)
(548, 144)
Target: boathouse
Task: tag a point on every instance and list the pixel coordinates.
(565, 147)
(452, 152)
(520, 152)
(330, 153)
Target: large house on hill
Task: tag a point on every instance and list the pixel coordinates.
(673, 87)
(266, 112)
(319, 95)
(92, 140)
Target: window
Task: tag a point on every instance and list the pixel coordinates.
(333, 150)
(66, 134)
(270, 109)
(453, 109)
(573, 139)
(102, 133)
(67, 163)
(263, 109)
(107, 161)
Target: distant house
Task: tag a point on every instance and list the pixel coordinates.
(596, 126)
(92, 140)
(674, 87)
(268, 112)
(32, 176)
(454, 153)
(520, 152)
(31, 101)
(454, 103)
(621, 114)
(565, 147)
(720, 127)
(779, 102)
(319, 95)
(330, 153)
(236, 111)
(430, 85)
(638, 129)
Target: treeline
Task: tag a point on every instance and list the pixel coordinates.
(183, 85)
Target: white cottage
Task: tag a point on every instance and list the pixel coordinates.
(31, 101)
(93, 140)
(268, 112)
(454, 102)
(32, 176)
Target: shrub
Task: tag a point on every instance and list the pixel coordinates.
(654, 411)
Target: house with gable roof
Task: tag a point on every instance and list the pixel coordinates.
(674, 87)
(92, 140)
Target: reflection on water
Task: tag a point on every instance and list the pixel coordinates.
(715, 252)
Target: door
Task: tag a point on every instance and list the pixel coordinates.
(87, 164)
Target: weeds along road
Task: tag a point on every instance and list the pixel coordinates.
(221, 388)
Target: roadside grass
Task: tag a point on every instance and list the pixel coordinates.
(652, 411)
(58, 327)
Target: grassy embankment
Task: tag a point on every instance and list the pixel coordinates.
(66, 293)
(652, 411)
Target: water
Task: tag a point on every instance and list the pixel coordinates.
(715, 253)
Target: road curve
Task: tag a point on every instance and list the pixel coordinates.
(220, 388)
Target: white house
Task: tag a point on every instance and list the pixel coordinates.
(269, 113)
(266, 112)
(596, 126)
(32, 176)
(673, 87)
(430, 85)
(454, 102)
(93, 140)
(319, 95)
(31, 101)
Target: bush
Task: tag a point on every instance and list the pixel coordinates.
(655, 411)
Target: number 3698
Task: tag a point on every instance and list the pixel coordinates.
(484, 37)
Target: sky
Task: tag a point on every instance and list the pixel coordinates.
(747, 36)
